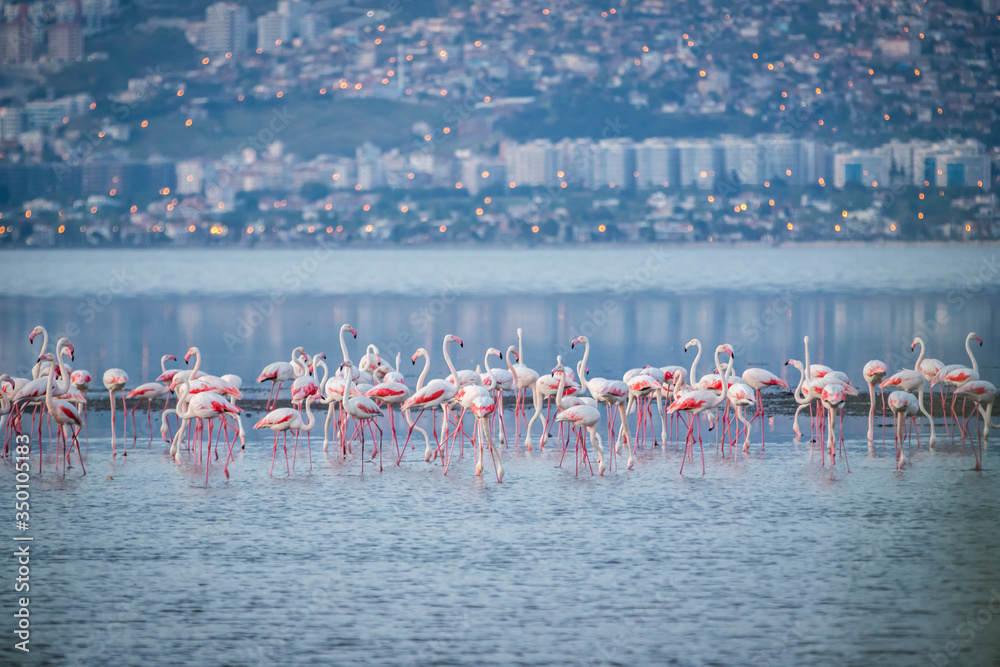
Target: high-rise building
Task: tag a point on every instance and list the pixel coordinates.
(869, 168)
(698, 163)
(11, 122)
(952, 164)
(657, 163)
(226, 28)
(531, 164)
(66, 42)
(16, 44)
(273, 31)
(614, 163)
(743, 161)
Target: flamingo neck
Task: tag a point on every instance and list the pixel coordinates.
(968, 348)
(343, 344)
(187, 381)
(447, 360)
(310, 417)
(694, 364)
(510, 366)
(562, 386)
(347, 386)
(920, 357)
(423, 373)
(798, 395)
(582, 366)
(64, 376)
(725, 379)
(326, 372)
(520, 349)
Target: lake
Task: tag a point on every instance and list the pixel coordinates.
(766, 559)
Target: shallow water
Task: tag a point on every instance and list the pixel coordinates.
(766, 560)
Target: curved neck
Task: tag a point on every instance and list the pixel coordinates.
(968, 348)
(725, 378)
(694, 364)
(326, 372)
(163, 363)
(520, 348)
(193, 373)
(920, 358)
(398, 355)
(347, 385)
(63, 374)
(343, 343)
(797, 394)
(48, 392)
(299, 367)
(45, 342)
(562, 386)
(510, 366)
(489, 371)
(423, 373)
(582, 366)
(310, 417)
(447, 360)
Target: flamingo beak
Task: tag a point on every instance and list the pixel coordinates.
(353, 332)
(500, 354)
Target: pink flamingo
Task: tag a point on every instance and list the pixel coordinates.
(36, 370)
(305, 385)
(929, 367)
(148, 391)
(66, 415)
(955, 375)
(613, 393)
(983, 393)
(833, 396)
(483, 407)
(696, 402)
(279, 372)
(757, 379)
(911, 381)
(364, 410)
(579, 417)
(115, 379)
(390, 393)
(873, 374)
(741, 396)
(902, 404)
(434, 394)
(283, 420)
(526, 378)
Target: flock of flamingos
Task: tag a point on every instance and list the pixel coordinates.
(362, 398)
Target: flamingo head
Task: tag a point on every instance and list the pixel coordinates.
(690, 343)
(582, 340)
(348, 327)
(170, 357)
(728, 349)
(421, 352)
(453, 338)
(35, 332)
(494, 352)
(794, 362)
(346, 364)
(913, 344)
(512, 353)
(190, 353)
(980, 340)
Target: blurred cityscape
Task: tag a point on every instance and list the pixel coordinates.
(146, 123)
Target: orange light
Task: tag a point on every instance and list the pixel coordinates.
(368, 228)
(180, 93)
(328, 207)
(458, 186)
(442, 229)
(204, 61)
(790, 226)
(770, 202)
(187, 123)
(892, 228)
(357, 86)
(711, 199)
(62, 228)
(322, 91)
(836, 228)
(191, 228)
(133, 209)
(93, 209)
(479, 211)
(366, 207)
(446, 130)
(534, 229)
(144, 123)
(920, 216)
(602, 228)
(968, 228)
(280, 94)
(843, 213)
(485, 174)
(112, 192)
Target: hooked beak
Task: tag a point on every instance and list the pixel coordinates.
(354, 333)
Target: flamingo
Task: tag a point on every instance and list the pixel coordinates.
(903, 404)
(698, 401)
(434, 394)
(210, 405)
(579, 417)
(390, 393)
(395, 375)
(483, 407)
(279, 372)
(115, 379)
(148, 391)
(911, 381)
(833, 397)
(929, 367)
(36, 370)
(526, 378)
(613, 393)
(873, 374)
(757, 379)
(546, 386)
(502, 380)
(305, 385)
(955, 375)
(983, 393)
(283, 420)
(66, 415)
(806, 392)
(363, 409)
(421, 352)
(740, 396)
